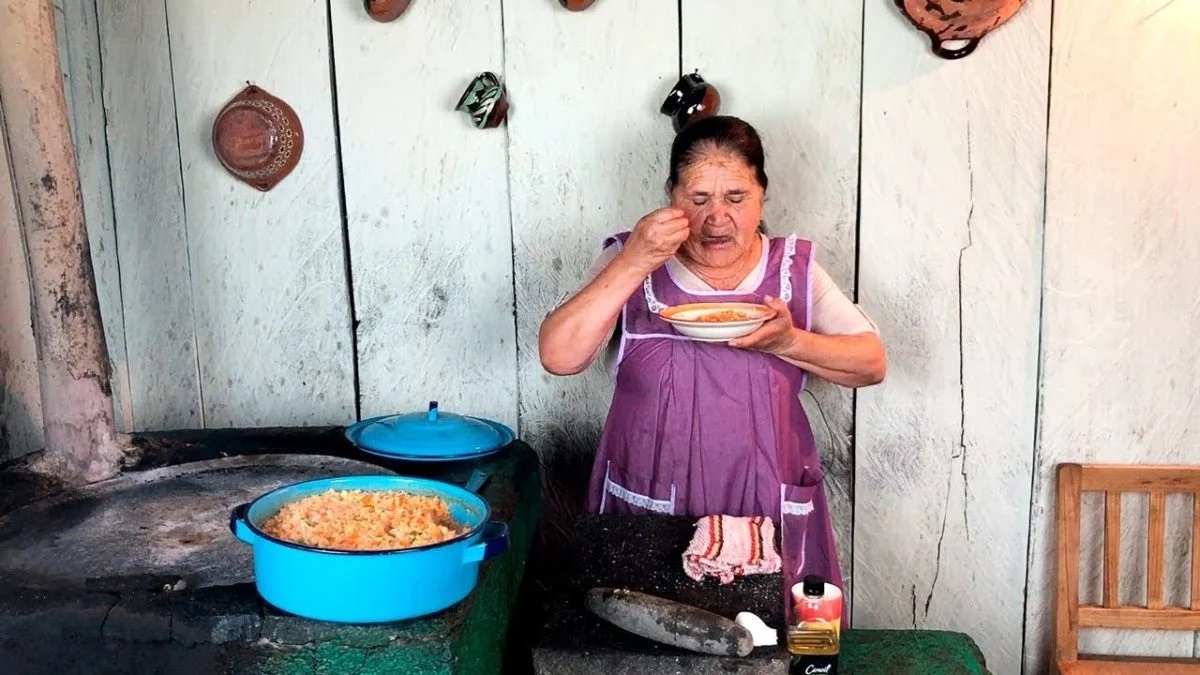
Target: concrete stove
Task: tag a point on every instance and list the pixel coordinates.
(140, 574)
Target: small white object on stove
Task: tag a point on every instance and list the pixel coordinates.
(764, 635)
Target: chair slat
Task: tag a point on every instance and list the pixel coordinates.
(1155, 550)
(1112, 548)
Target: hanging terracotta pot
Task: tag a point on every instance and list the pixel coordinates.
(258, 138)
(485, 101)
(957, 20)
(576, 5)
(386, 10)
(691, 99)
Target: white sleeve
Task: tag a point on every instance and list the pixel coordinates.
(832, 312)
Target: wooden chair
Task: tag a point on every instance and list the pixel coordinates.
(1070, 616)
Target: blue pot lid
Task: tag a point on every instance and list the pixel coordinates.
(432, 435)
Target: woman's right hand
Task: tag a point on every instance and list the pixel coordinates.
(656, 237)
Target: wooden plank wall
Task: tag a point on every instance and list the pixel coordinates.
(802, 94)
(268, 270)
(147, 196)
(1120, 329)
(427, 206)
(953, 157)
(930, 186)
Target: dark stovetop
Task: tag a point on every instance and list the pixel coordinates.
(644, 553)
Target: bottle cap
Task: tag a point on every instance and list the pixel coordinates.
(814, 585)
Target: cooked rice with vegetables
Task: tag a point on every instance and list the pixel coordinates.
(364, 520)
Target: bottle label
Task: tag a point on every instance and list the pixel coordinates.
(814, 665)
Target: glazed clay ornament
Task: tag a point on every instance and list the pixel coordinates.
(691, 99)
(258, 138)
(485, 101)
(966, 21)
(386, 10)
(576, 5)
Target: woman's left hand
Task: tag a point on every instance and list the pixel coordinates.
(776, 336)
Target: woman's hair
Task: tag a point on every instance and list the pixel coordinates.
(719, 132)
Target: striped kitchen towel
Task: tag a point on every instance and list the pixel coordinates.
(727, 547)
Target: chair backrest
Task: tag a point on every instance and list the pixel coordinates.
(1113, 481)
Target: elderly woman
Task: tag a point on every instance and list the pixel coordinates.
(698, 428)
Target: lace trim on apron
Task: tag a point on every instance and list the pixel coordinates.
(785, 268)
(665, 506)
(651, 300)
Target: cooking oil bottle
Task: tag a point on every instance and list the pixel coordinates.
(814, 640)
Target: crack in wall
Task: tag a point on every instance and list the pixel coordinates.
(913, 593)
(960, 453)
(962, 379)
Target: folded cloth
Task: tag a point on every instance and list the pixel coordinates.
(727, 547)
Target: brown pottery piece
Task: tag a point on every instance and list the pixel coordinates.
(691, 99)
(576, 5)
(485, 101)
(386, 10)
(954, 20)
(258, 138)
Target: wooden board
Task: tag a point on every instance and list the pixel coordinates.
(802, 94)
(20, 392)
(427, 205)
(79, 47)
(587, 157)
(1120, 337)
(268, 270)
(951, 212)
(156, 296)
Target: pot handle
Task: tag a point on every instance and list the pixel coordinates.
(940, 48)
(238, 525)
(493, 543)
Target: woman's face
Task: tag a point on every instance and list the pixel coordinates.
(723, 202)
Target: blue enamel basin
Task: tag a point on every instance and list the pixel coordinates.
(369, 586)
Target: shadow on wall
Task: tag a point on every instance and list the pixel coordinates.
(20, 434)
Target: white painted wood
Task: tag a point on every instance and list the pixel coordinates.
(156, 296)
(427, 206)
(588, 157)
(1120, 321)
(268, 271)
(802, 94)
(79, 47)
(20, 394)
(951, 199)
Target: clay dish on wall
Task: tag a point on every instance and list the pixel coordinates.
(485, 101)
(258, 138)
(691, 99)
(957, 20)
(386, 10)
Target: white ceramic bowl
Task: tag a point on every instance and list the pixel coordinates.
(690, 320)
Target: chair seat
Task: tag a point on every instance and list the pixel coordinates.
(1119, 666)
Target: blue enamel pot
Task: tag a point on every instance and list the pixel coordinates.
(370, 586)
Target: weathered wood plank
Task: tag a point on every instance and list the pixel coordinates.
(427, 206)
(1120, 232)
(79, 47)
(20, 393)
(805, 104)
(951, 210)
(588, 157)
(268, 269)
(151, 241)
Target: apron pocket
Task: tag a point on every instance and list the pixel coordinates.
(627, 493)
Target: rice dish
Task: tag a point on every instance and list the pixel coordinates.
(364, 520)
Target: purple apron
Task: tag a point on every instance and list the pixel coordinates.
(696, 428)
